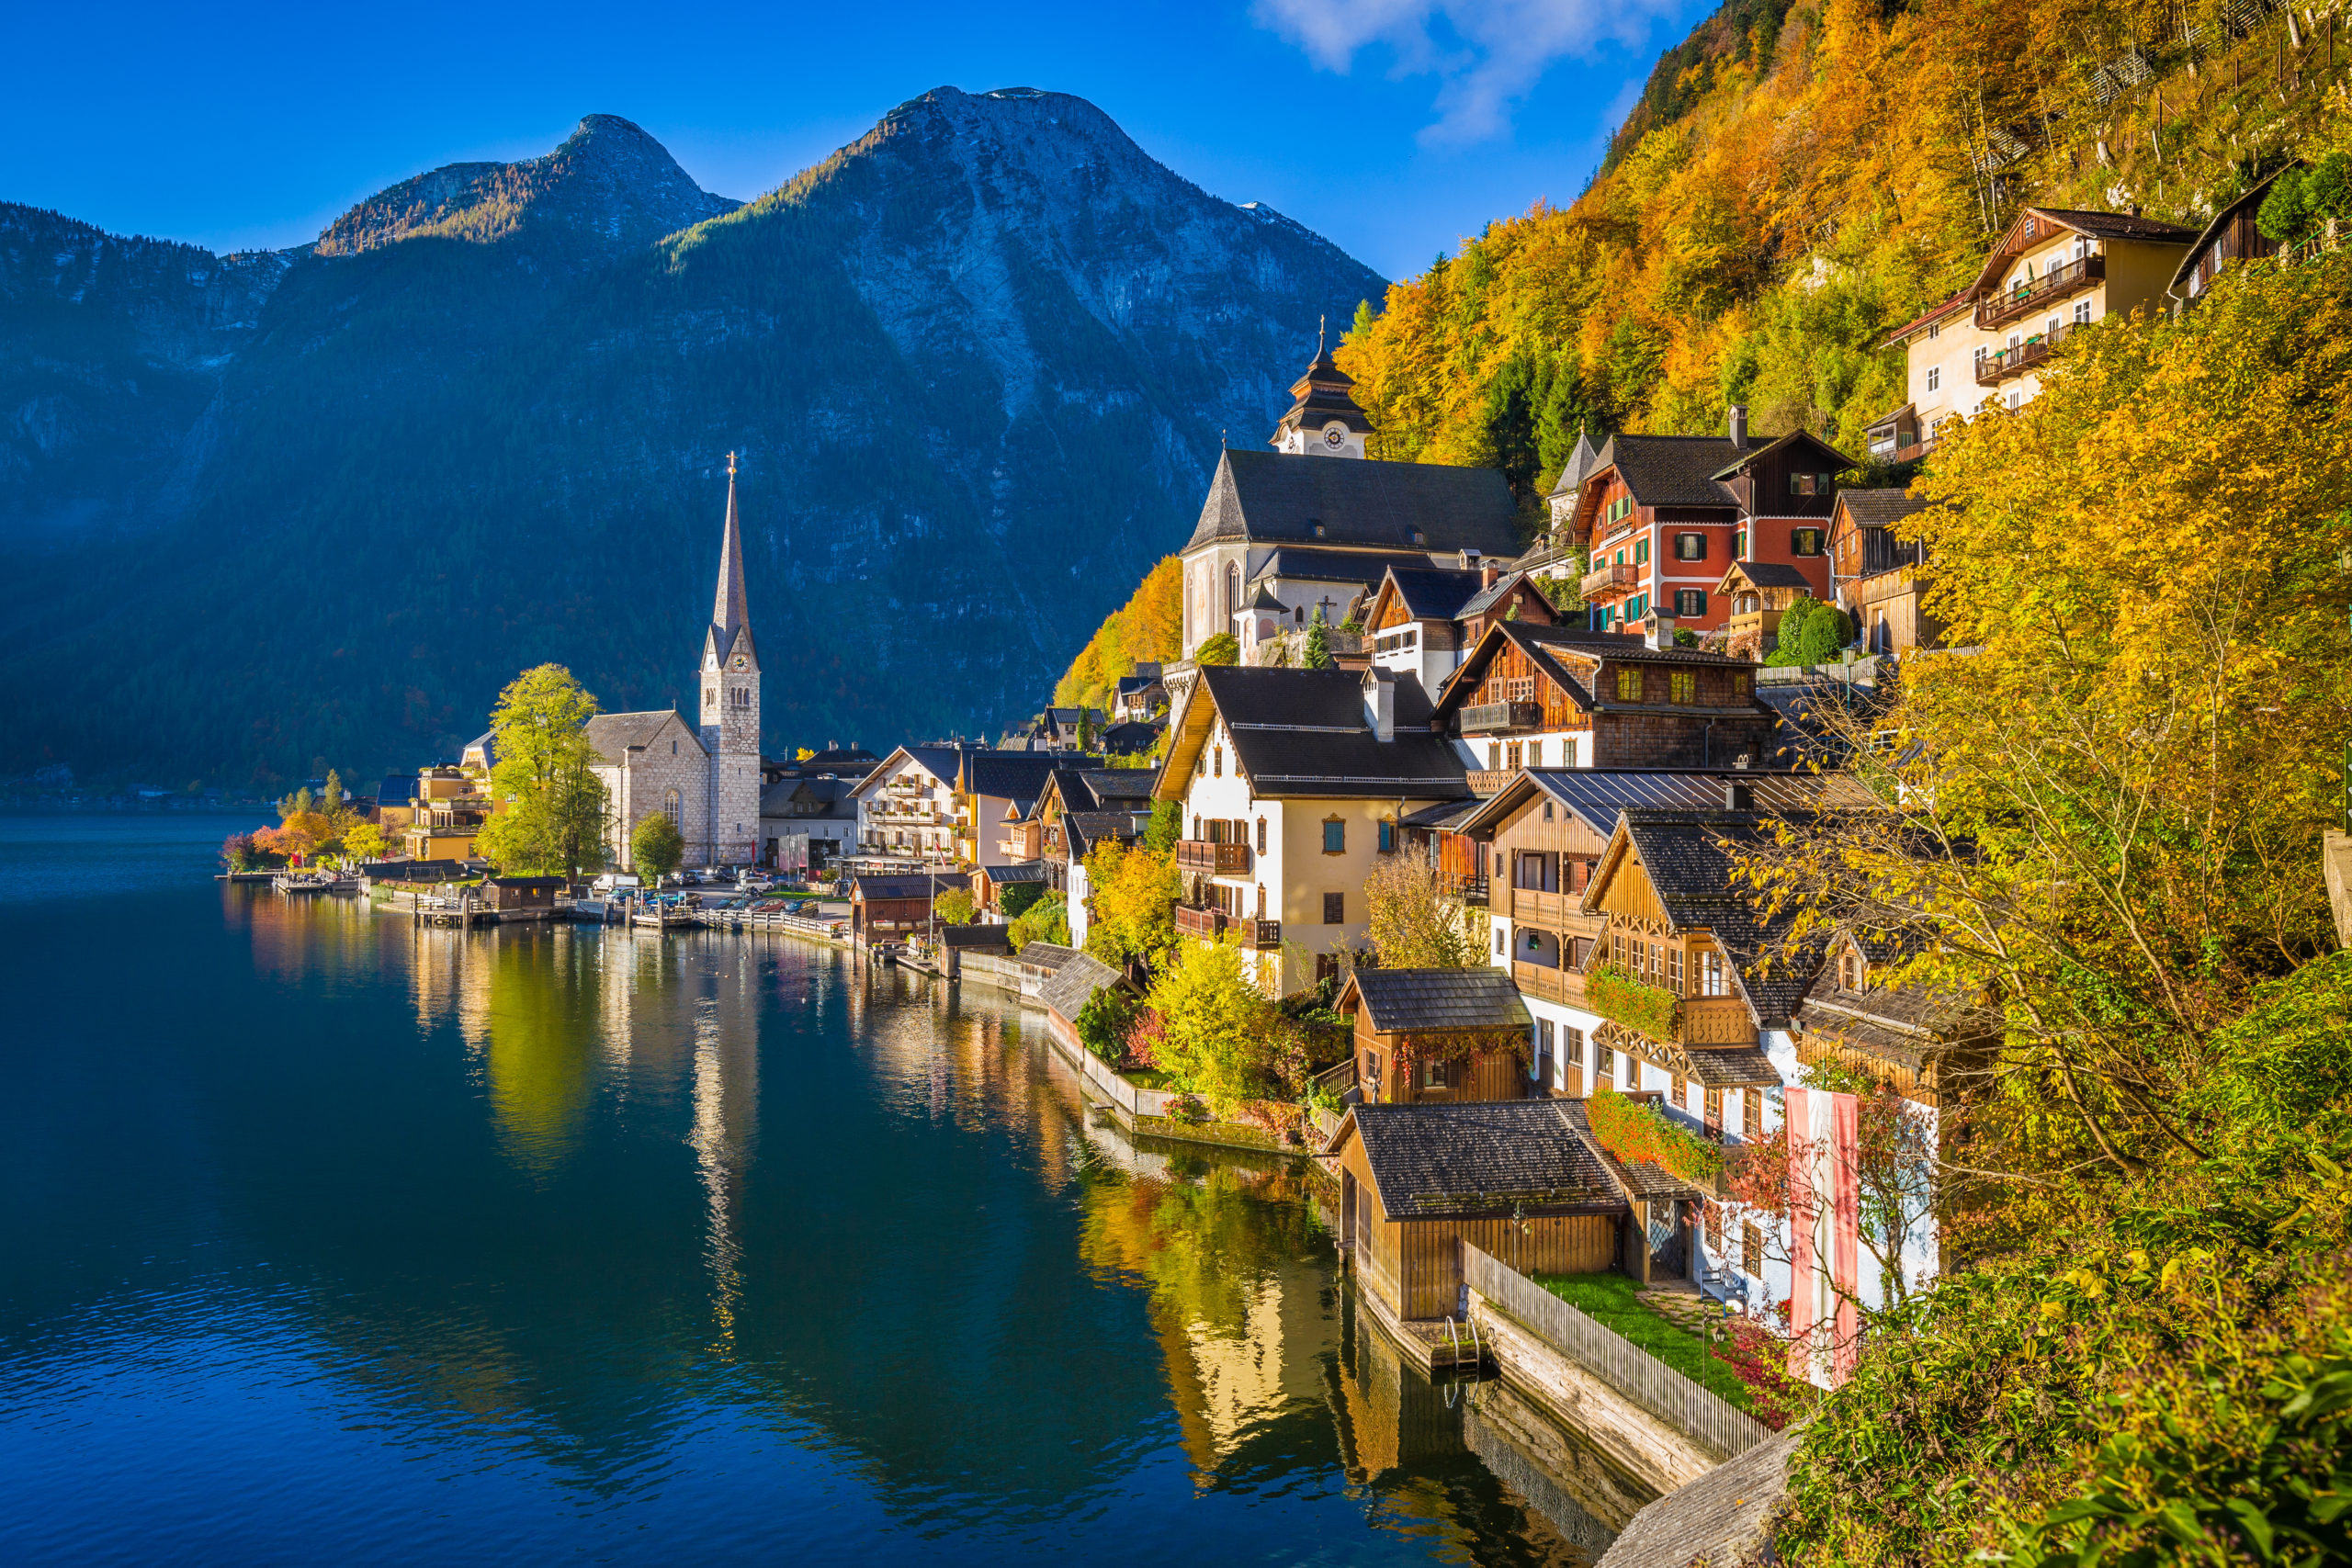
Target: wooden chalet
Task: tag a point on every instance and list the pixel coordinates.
(1880, 576)
(1518, 1179)
(1759, 594)
(890, 907)
(2232, 238)
(991, 882)
(1532, 696)
(1694, 977)
(1902, 1035)
(1421, 620)
(1437, 1035)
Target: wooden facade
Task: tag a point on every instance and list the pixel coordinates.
(1390, 1075)
(1543, 858)
(1513, 705)
(1415, 1264)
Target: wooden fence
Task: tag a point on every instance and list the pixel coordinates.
(1703, 1417)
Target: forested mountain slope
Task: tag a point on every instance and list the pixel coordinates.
(1798, 179)
(977, 364)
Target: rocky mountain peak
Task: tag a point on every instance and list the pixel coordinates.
(608, 188)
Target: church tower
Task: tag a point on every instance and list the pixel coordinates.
(1323, 420)
(730, 707)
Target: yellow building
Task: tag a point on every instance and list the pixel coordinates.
(451, 805)
(2054, 270)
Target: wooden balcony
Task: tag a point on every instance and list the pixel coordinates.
(2011, 363)
(1541, 980)
(1484, 782)
(2058, 283)
(1217, 860)
(1911, 452)
(1604, 584)
(1265, 936)
(1192, 920)
(1497, 718)
(1752, 628)
(1554, 911)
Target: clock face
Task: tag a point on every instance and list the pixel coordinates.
(1335, 435)
(739, 662)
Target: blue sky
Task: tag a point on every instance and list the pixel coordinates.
(1394, 127)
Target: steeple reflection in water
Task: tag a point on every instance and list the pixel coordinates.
(347, 1239)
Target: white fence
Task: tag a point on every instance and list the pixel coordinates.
(1703, 1417)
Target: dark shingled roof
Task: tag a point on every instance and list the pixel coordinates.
(1019, 775)
(901, 885)
(1579, 463)
(612, 734)
(2118, 225)
(1672, 470)
(1107, 784)
(1047, 955)
(1017, 871)
(1771, 574)
(1435, 593)
(1724, 1519)
(1431, 1161)
(1688, 867)
(1349, 567)
(1075, 982)
(1598, 795)
(1274, 497)
(1405, 1001)
(1132, 738)
(1732, 1067)
(1879, 508)
(1302, 732)
(1084, 829)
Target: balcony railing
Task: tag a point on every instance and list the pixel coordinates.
(1606, 583)
(2058, 283)
(1192, 920)
(1469, 889)
(1493, 718)
(1911, 452)
(1552, 910)
(1541, 980)
(1995, 369)
(1264, 935)
(1490, 781)
(1217, 860)
(1717, 1021)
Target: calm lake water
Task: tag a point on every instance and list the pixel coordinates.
(330, 1240)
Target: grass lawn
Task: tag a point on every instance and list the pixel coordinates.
(1612, 1301)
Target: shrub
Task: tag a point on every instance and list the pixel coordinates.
(1811, 632)
(954, 908)
(1104, 1021)
(1047, 920)
(1015, 899)
(1621, 998)
(1221, 648)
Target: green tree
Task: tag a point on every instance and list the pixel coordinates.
(1412, 926)
(1811, 632)
(1048, 920)
(1166, 827)
(656, 847)
(552, 803)
(1318, 643)
(1015, 899)
(1218, 1025)
(1221, 648)
(954, 908)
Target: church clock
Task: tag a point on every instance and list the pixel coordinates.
(1335, 436)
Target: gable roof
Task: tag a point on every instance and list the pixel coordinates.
(1879, 508)
(1942, 310)
(1763, 574)
(2249, 199)
(1410, 1000)
(1798, 438)
(1568, 656)
(1428, 592)
(1579, 464)
(1597, 796)
(1018, 776)
(1301, 733)
(1017, 871)
(1274, 497)
(1671, 471)
(612, 735)
(1107, 784)
(2082, 220)
(1443, 1161)
(900, 884)
(1084, 829)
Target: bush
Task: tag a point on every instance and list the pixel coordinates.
(1015, 899)
(1218, 1024)
(1221, 648)
(1631, 1130)
(1105, 1021)
(954, 908)
(1811, 632)
(1619, 998)
(1048, 920)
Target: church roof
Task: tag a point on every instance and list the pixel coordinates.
(614, 734)
(731, 616)
(1322, 397)
(1579, 464)
(1284, 498)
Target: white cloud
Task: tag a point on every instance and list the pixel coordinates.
(1486, 54)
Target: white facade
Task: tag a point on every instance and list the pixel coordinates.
(1333, 440)
(906, 810)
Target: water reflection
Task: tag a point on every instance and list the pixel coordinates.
(722, 1239)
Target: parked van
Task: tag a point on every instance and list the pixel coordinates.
(614, 882)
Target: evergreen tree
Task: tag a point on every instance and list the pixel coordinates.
(1318, 643)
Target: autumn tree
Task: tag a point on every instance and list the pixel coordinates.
(1221, 648)
(1412, 926)
(364, 841)
(552, 805)
(954, 908)
(1133, 893)
(1214, 1025)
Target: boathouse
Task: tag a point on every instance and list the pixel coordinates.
(1437, 1035)
(885, 907)
(1518, 1179)
(522, 893)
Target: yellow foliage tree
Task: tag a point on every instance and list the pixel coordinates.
(1148, 630)
(1133, 894)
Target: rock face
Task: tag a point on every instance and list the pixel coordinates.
(979, 365)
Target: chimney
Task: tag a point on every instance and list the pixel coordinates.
(1489, 574)
(1738, 797)
(1469, 561)
(1380, 702)
(1738, 420)
(1659, 634)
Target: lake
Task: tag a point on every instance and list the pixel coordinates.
(328, 1239)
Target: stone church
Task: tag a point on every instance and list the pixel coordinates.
(706, 777)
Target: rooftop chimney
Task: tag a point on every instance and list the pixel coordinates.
(1738, 797)
(1659, 632)
(1738, 420)
(1489, 574)
(1380, 702)
(1469, 561)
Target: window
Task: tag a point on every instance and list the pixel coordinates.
(2016, 399)
(1620, 558)
(1804, 541)
(1751, 1250)
(710, 696)
(671, 807)
(1232, 589)
(1739, 545)
(1685, 685)
(1739, 686)
(1217, 769)
(1712, 982)
(1731, 1113)
(1605, 1066)
(1262, 835)
(1335, 837)
(1690, 603)
(1629, 684)
(1544, 1049)
(1572, 1045)
(1935, 377)
(1617, 949)
(1499, 941)
(1437, 1075)
(1689, 547)
(1335, 909)
(1711, 1107)
(1935, 331)
(1535, 760)
(1371, 1072)
(2081, 312)
(1849, 970)
(1674, 970)
(1387, 837)
(1641, 552)
(1200, 769)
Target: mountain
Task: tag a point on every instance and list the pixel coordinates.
(264, 511)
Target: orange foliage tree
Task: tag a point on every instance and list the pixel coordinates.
(1148, 630)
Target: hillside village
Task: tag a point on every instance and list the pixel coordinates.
(1552, 888)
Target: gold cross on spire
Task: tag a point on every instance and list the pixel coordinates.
(1321, 326)
(730, 465)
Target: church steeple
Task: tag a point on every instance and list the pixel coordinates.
(1323, 417)
(731, 616)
